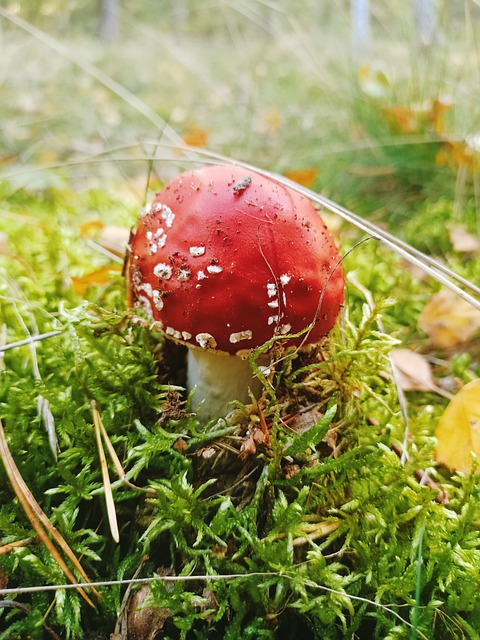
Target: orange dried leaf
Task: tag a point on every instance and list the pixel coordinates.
(94, 279)
(196, 137)
(439, 107)
(458, 432)
(401, 119)
(305, 177)
(448, 320)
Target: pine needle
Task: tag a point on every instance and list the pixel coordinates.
(37, 517)
(110, 503)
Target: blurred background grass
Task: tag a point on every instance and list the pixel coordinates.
(285, 85)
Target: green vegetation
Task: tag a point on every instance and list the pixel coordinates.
(299, 515)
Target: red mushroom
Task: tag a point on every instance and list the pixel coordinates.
(224, 260)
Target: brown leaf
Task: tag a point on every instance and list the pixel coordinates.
(145, 622)
(458, 431)
(448, 320)
(248, 448)
(413, 371)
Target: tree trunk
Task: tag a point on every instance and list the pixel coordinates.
(108, 25)
(360, 25)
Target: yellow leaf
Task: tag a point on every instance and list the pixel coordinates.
(448, 320)
(458, 432)
(305, 177)
(94, 279)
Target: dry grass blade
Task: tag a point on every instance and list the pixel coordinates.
(111, 513)
(113, 455)
(6, 548)
(37, 517)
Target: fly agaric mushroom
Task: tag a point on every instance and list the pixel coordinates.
(223, 260)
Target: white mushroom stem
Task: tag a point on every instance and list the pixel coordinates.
(218, 379)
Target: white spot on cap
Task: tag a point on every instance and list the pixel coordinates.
(240, 335)
(157, 300)
(271, 289)
(147, 288)
(160, 237)
(163, 270)
(146, 210)
(206, 340)
(285, 279)
(214, 268)
(273, 319)
(273, 304)
(197, 251)
(142, 302)
(152, 246)
(167, 214)
(285, 328)
(170, 331)
(201, 275)
(183, 274)
(186, 335)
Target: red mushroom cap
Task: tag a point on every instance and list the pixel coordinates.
(226, 259)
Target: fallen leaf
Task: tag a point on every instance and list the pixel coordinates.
(401, 119)
(114, 238)
(448, 320)
(439, 106)
(248, 448)
(93, 279)
(462, 240)
(196, 137)
(413, 371)
(457, 154)
(458, 431)
(145, 622)
(305, 177)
